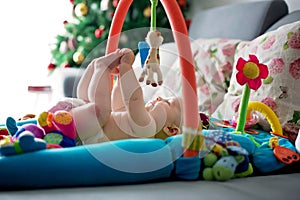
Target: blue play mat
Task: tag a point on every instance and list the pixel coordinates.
(127, 161)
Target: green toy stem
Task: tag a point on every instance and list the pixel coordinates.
(243, 109)
(153, 14)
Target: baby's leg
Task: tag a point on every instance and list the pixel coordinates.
(88, 128)
(99, 91)
(84, 82)
(132, 92)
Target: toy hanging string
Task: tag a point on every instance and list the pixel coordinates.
(153, 18)
(153, 14)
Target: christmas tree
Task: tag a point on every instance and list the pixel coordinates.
(91, 20)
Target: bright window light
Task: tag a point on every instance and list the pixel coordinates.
(27, 28)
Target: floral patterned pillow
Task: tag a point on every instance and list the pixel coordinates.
(213, 67)
(280, 51)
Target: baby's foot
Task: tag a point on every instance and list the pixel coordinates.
(111, 60)
(127, 57)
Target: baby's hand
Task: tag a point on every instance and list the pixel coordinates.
(126, 57)
(111, 60)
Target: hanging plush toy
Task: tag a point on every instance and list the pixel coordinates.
(154, 39)
(152, 65)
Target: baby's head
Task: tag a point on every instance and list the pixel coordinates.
(168, 113)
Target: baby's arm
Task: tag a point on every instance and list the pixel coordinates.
(142, 123)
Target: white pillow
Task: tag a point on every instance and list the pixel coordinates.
(280, 51)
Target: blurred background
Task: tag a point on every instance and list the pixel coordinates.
(28, 28)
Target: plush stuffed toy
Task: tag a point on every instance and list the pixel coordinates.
(54, 130)
(222, 169)
(222, 163)
(59, 128)
(26, 142)
(26, 138)
(152, 65)
(15, 130)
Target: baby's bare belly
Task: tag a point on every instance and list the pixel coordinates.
(117, 127)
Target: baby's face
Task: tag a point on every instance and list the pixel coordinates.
(172, 106)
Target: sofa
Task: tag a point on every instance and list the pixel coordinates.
(238, 23)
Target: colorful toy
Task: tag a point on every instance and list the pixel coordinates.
(143, 47)
(54, 131)
(222, 169)
(25, 142)
(268, 113)
(59, 128)
(283, 154)
(15, 130)
(21, 139)
(249, 74)
(152, 65)
(226, 159)
(251, 120)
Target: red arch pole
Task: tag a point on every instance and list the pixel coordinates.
(116, 28)
(189, 92)
(180, 33)
(117, 24)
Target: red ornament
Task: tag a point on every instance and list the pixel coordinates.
(51, 66)
(66, 65)
(72, 1)
(3, 131)
(99, 32)
(112, 14)
(188, 23)
(115, 3)
(182, 3)
(65, 22)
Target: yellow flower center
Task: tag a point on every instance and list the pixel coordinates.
(251, 70)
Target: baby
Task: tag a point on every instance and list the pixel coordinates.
(101, 114)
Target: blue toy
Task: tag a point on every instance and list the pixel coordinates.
(143, 47)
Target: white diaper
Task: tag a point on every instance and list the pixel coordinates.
(93, 139)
